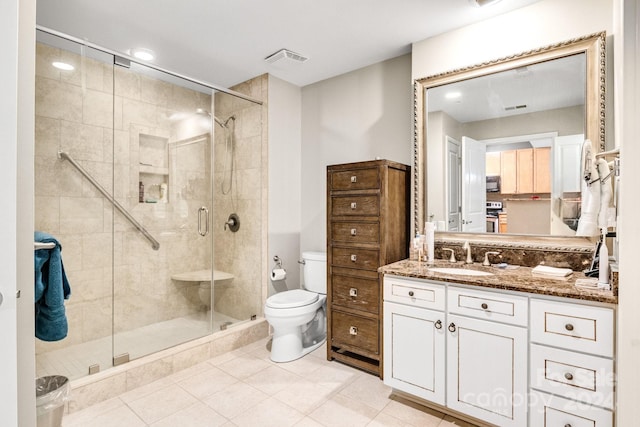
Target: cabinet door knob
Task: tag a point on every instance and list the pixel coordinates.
(354, 205)
(452, 327)
(568, 327)
(568, 376)
(567, 425)
(353, 292)
(353, 231)
(410, 293)
(354, 258)
(484, 305)
(438, 324)
(354, 178)
(353, 330)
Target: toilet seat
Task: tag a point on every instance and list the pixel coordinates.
(292, 298)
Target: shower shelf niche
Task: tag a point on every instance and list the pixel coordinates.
(153, 169)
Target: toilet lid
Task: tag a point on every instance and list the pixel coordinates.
(293, 298)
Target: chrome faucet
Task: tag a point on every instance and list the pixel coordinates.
(466, 246)
(486, 257)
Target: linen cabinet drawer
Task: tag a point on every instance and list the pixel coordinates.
(414, 293)
(493, 306)
(354, 331)
(355, 292)
(573, 375)
(355, 232)
(357, 179)
(355, 205)
(572, 326)
(547, 410)
(366, 259)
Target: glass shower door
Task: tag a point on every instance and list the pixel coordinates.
(162, 175)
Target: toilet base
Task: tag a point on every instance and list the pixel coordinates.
(286, 347)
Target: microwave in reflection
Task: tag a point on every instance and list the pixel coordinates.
(493, 184)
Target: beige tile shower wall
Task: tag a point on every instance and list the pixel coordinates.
(77, 112)
(241, 253)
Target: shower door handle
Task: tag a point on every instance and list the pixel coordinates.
(204, 210)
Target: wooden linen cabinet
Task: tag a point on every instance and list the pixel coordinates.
(367, 227)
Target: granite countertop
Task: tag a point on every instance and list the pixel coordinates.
(520, 279)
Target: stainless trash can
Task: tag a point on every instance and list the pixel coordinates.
(51, 393)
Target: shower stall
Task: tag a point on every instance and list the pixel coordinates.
(137, 174)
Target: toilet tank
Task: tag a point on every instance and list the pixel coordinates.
(315, 271)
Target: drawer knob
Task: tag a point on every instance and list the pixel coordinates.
(410, 293)
(354, 178)
(452, 327)
(568, 327)
(354, 258)
(353, 330)
(354, 205)
(438, 324)
(567, 425)
(353, 292)
(568, 376)
(484, 305)
(353, 231)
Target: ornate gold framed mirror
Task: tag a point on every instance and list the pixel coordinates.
(535, 100)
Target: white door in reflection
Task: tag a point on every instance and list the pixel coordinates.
(474, 186)
(453, 184)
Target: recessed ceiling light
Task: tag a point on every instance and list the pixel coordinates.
(143, 54)
(453, 95)
(63, 66)
(481, 3)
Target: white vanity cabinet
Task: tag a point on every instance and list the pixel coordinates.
(571, 370)
(504, 357)
(414, 344)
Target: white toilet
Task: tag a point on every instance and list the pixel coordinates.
(298, 316)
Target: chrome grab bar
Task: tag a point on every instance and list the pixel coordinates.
(154, 243)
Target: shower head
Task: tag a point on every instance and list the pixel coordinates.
(217, 120)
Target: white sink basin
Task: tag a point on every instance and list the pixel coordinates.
(460, 271)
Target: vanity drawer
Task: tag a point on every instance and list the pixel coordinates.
(493, 306)
(355, 205)
(573, 375)
(357, 179)
(355, 232)
(547, 410)
(355, 292)
(366, 259)
(573, 326)
(414, 293)
(357, 332)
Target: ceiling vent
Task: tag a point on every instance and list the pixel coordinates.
(515, 107)
(285, 54)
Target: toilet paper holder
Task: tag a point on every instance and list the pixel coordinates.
(278, 262)
(278, 272)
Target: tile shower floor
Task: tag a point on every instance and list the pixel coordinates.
(73, 361)
(244, 388)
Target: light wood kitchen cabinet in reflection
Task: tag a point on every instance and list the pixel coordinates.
(525, 171)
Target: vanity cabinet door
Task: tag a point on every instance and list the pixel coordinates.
(414, 348)
(487, 370)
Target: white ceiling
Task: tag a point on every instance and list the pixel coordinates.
(224, 42)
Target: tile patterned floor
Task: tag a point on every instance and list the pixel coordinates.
(244, 388)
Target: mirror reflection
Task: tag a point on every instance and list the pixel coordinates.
(503, 145)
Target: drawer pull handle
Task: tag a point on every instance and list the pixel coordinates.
(354, 258)
(484, 305)
(568, 327)
(452, 327)
(353, 330)
(568, 376)
(354, 205)
(567, 425)
(353, 292)
(438, 324)
(410, 293)
(353, 231)
(354, 178)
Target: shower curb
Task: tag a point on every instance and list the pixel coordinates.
(92, 389)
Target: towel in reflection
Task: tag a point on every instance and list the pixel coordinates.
(51, 289)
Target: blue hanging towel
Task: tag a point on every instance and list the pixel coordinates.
(51, 289)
